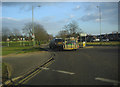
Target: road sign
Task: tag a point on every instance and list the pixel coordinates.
(8, 39)
(33, 36)
(83, 34)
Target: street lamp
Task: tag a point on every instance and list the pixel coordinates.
(33, 35)
(100, 20)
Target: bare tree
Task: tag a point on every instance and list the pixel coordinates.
(71, 29)
(27, 30)
(6, 32)
(39, 31)
(63, 33)
(16, 33)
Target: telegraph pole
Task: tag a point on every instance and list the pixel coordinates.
(33, 35)
(100, 20)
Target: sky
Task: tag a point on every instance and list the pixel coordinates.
(54, 15)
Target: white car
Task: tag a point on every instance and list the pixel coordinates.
(105, 40)
(95, 40)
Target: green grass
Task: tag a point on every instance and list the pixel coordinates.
(4, 72)
(21, 43)
(111, 43)
(17, 50)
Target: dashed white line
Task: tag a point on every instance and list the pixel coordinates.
(60, 71)
(66, 72)
(107, 80)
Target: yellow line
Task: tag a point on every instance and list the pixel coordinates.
(28, 76)
(89, 47)
(35, 73)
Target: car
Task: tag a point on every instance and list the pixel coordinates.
(106, 40)
(96, 40)
(56, 43)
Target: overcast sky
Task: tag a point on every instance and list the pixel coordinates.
(54, 15)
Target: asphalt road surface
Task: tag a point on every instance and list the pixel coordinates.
(86, 66)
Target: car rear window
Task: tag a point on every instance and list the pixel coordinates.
(58, 40)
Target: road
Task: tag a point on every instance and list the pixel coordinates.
(86, 66)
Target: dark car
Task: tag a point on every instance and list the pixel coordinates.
(56, 43)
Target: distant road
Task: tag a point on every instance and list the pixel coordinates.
(86, 66)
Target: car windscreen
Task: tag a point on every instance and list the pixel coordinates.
(71, 42)
(58, 40)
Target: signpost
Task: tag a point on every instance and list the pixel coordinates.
(83, 35)
(8, 41)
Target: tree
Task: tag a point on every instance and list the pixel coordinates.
(39, 31)
(73, 27)
(27, 30)
(6, 32)
(70, 30)
(63, 33)
(16, 34)
(50, 37)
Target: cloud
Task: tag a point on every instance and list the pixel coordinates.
(26, 6)
(109, 12)
(50, 25)
(72, 16)
(9, 18)
(76, 8)
(89, 17)
(12, 23)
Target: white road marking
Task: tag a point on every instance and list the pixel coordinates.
(66, 72)
(107, 80)
(60, 71)
(45, 68)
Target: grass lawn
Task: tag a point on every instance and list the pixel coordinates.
(4, 72)
(17, 50)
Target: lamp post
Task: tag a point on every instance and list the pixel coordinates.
(33, 33)
(100, 20)
(33, 36)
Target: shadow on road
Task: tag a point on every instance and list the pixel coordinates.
(36, 49)
(59, 50)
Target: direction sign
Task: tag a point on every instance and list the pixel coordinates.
(83, 34)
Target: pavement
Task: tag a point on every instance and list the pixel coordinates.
(22, 63)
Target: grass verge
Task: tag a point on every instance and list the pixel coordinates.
(4, 72)
(17, 50)
(111, 43)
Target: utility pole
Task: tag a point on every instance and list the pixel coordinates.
(100, 21)
(33, 35)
